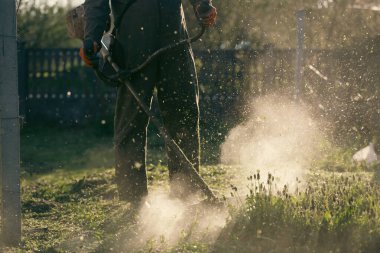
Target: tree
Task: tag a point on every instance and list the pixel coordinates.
(43, 26)
(329, 23)
(249, 23)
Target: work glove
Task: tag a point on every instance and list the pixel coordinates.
(89, 53)
(205, 12)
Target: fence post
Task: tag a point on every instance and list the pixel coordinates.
(9, 127)
(299, 52)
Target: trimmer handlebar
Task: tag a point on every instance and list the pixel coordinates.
(125, 74)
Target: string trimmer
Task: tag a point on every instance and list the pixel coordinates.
(117, 76)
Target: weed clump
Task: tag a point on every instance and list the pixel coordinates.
(332, 214)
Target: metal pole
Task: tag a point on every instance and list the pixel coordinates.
(299, 52)
(9, 126)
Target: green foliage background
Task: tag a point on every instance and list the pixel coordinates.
(330, 24)
(43, 26)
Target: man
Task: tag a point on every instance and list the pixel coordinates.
(144, 27)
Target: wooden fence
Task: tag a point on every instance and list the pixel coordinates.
(56, 87)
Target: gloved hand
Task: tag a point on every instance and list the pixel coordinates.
(89, 53)
(205, 12)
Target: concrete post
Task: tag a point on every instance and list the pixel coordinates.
(9, 126)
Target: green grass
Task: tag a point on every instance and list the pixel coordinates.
(67, 211)
(71, 204)
(44, 149)
(339, 159)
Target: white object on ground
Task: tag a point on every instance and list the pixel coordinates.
(366, 154)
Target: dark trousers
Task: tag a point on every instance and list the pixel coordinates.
(147, 26)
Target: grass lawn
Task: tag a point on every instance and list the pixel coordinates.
(71, 205)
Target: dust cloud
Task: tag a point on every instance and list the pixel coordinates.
(165, 222)
(279, 137)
